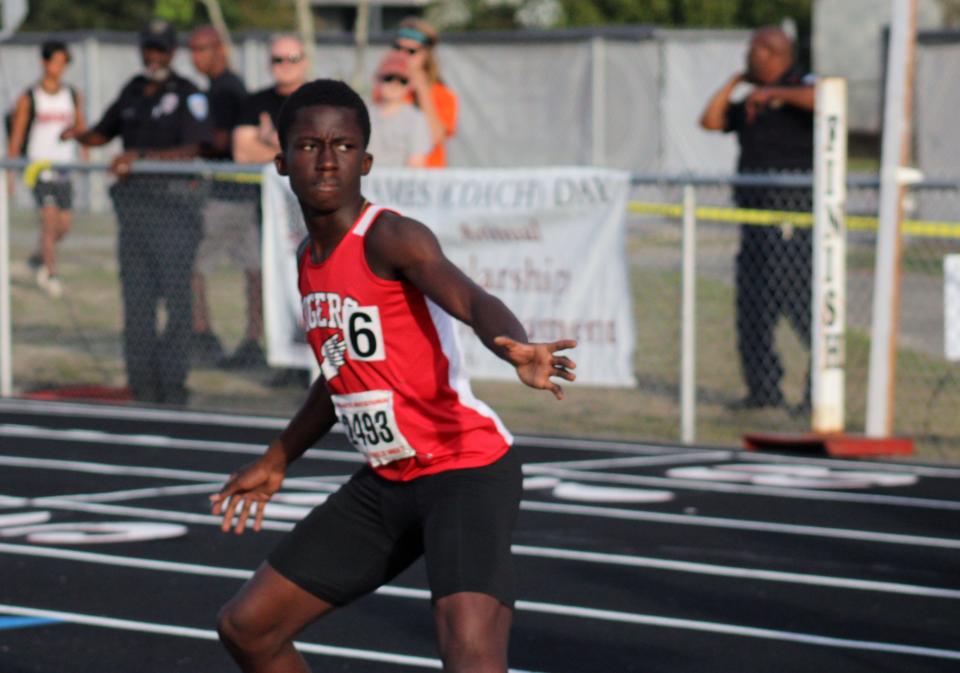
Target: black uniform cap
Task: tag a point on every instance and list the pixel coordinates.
(159, 34)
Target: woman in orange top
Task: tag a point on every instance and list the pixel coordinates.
(417, 38)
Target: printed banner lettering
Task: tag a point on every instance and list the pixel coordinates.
(549, 242)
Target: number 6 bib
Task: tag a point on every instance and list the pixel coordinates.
(371, 426)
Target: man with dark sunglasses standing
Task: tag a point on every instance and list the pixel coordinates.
(255, 142)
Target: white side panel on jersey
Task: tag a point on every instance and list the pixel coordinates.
(458, 380)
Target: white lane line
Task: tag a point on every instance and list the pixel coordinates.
(45, 408)
(740, 524)
(534, 468)
(920, 470)
(272, 423)
(735, 572)
(638, 461)
(519, 550)
(595, 614)
(565, 509)
(20, 519)
(140, 414)
(663, 454)
(209, 634)
(139, 493)
(743, 631)
(145, 512)
(152, 472)
(162, 441)
(744, 489)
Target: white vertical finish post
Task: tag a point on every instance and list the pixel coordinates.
(598, 101)
(898, 100)
(829, 300)
(6, 325)
(688, 328)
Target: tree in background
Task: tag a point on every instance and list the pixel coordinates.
(500, 14)
(52, 15)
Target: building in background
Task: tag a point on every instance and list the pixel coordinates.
(848, 41)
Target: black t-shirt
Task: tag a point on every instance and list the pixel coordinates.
(227, 96)
(176, 114)
(266, 100)
(778, 140)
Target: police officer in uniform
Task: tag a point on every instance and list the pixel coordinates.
(774, 127)
(159, 115)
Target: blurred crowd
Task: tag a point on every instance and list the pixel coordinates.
(175, 230)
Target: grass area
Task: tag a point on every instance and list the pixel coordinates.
(77, 340)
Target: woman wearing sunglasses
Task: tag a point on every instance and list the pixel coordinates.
(416, 38)
(399, 133)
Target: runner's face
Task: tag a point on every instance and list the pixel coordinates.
(57, 63)
(325, 157)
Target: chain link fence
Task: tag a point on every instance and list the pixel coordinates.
(753, 270)
(160, 304)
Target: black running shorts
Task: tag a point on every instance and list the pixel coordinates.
(372, 529)
(59, 194)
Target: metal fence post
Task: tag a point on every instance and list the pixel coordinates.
(6, 336)
(688, 328)
(598, 101)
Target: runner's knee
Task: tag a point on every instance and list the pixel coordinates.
(472, 637)
(241, 629)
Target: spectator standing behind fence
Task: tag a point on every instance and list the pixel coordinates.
(42, 113)
(255, 142)
(160, 116)
(417, 38)
(230, 224)
(774, 127)
(399, 134)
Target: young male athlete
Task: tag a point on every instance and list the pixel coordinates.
(379, 299)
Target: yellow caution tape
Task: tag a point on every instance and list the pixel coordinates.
(31, 174)
(918, 228)
(245, 178)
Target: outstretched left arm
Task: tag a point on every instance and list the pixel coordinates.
(409, 250)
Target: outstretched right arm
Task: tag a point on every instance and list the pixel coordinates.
(254, 484)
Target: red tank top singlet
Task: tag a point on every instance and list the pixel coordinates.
(393, 365)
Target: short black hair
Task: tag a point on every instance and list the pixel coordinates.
(330, 92)
(51, 47)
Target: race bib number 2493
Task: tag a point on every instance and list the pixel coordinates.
(371, 425)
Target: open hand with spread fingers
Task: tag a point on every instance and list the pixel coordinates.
(246, 493)
(536, 363)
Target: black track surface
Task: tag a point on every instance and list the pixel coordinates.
(719, 576)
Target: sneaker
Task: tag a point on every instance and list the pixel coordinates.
(50, 284)
(248, 355)
(42, 276)
(205, 348)
(34, 262)
(54, 287)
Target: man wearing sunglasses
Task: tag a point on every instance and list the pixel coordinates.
(255, 142)
(400, 135)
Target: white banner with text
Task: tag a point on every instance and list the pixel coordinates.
(549, 242)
